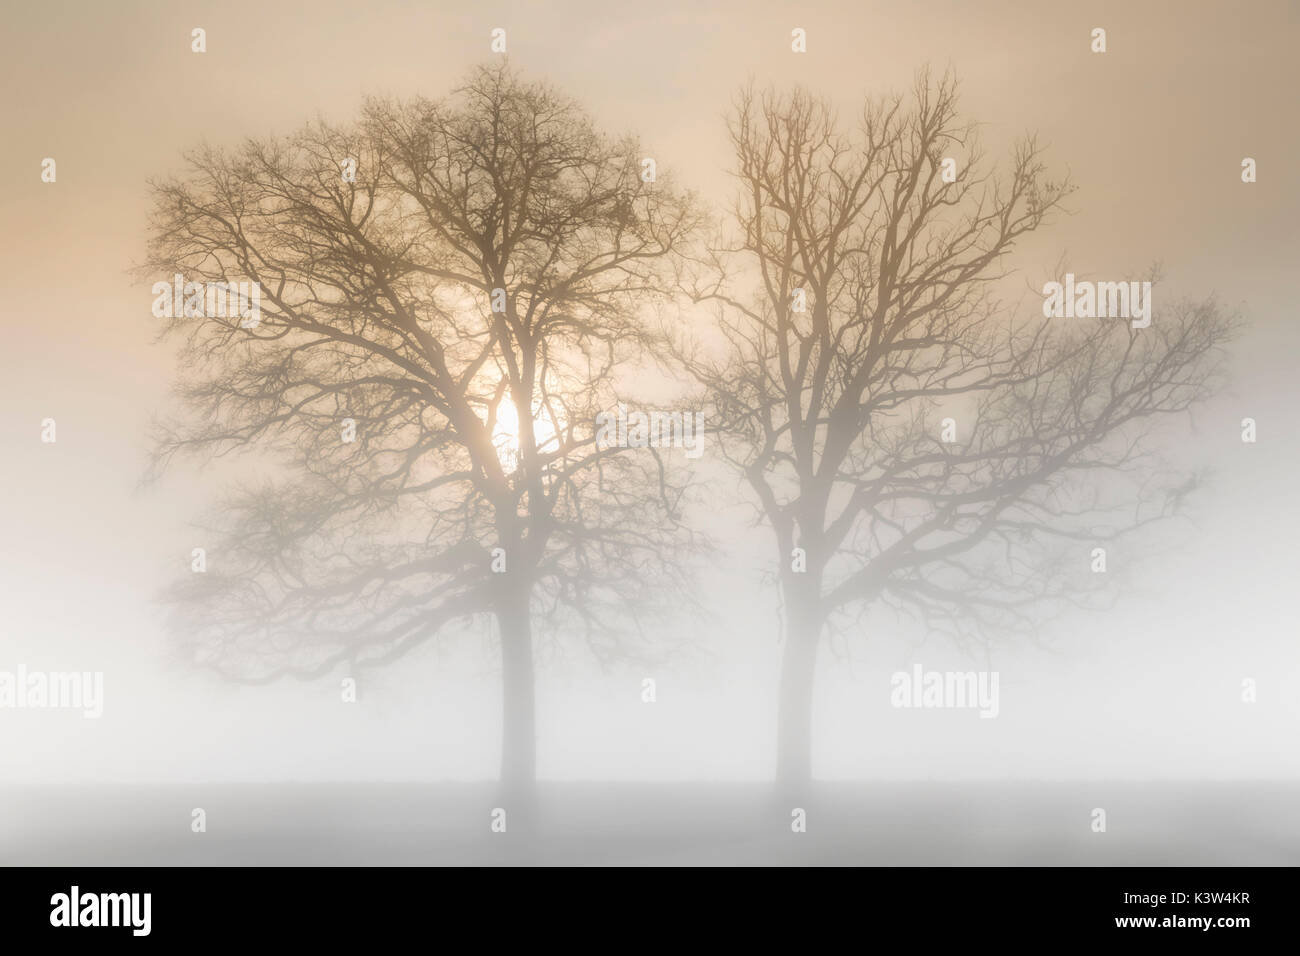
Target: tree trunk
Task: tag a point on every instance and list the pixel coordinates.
(794, 717)
(518, 713)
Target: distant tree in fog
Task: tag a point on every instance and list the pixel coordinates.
(448, 291)
(908, 438)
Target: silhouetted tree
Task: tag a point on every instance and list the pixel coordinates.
(381, 249)
(833, 413)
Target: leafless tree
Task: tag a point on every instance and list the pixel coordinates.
(379, 248)
(833, 413)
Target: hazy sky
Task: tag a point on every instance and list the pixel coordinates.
(1153, 132)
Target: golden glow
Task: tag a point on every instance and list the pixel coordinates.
(505, 434)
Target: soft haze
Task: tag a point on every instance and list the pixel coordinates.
(1153, 133)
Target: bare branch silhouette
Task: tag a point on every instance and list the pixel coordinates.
(833, 413)
(473, 426)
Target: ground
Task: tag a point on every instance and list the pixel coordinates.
(1149, 824)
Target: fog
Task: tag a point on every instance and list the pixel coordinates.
(1140, 705)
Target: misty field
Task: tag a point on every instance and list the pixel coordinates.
(1044, 824)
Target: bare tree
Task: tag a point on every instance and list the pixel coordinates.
(458, 282)
(857, 299)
